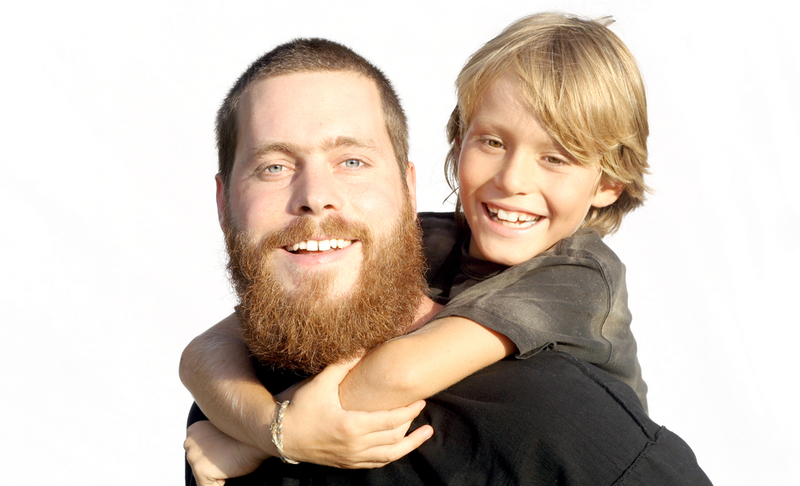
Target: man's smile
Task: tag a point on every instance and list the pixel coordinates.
(319, 245)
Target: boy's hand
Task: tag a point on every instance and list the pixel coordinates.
(316, 429)
(215, 457)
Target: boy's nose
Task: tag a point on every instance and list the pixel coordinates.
(516, 176)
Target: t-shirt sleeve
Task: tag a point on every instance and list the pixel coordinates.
(561, 300)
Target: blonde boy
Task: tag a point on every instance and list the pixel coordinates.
(548, 153)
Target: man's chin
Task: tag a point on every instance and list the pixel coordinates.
(327, 281)
(301, 317)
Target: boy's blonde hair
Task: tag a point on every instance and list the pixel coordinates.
(582, 84)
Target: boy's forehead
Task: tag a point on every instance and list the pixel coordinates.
(510, 98)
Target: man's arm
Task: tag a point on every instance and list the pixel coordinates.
(216, 368)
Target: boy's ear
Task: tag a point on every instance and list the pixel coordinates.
(607, 193)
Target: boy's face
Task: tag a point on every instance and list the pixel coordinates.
(520, 189)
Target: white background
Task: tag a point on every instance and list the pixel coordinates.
(112, 259)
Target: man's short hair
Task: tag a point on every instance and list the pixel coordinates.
(309, 55)
(582, 84)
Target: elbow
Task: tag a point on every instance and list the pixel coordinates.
(407, 381)
(186, 367)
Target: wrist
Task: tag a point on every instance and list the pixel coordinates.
(276, 430)
(261, 434)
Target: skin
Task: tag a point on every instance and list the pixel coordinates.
(509, 162)
(304, 150)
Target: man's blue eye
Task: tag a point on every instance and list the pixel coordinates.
(274, 168)
(352, 163)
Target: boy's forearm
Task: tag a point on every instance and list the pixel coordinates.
(420, 364)
(217, 370)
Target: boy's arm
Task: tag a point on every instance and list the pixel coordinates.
(422, 363)
(216, 368)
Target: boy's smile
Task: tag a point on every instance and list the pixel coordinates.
(521, 190)
(512, 219)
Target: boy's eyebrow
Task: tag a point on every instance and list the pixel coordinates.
(327, 145)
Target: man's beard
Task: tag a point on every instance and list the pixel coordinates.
(306, 329)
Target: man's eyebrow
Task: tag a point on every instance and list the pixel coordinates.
(344, 141)
(272, 147)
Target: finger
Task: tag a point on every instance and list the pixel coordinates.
(398, 418)
(381, 455)
(207, 481)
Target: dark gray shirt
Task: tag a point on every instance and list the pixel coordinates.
(571, 297)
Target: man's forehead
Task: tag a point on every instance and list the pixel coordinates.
(313, 111)
(313, 103)
(322, 86)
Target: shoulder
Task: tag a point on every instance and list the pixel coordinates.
(437, 225)
(556, 382)
(441, 234)
(569, 417)
(585, 243)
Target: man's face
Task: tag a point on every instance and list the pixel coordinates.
(323, 244)
(314, 145)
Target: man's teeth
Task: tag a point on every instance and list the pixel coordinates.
(519, 219)
(320, 245)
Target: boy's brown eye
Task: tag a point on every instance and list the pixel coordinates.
(494, 143)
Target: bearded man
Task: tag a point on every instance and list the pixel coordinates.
(316, 199)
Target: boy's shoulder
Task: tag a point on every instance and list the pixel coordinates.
(584, 243)
(583, 249)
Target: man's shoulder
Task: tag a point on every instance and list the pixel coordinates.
(554, 418)
(439, 227)
(552, 380)
(442, 235)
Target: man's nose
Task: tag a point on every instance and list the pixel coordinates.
(317, 191)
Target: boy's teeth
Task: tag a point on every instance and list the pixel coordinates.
(504, 216)
(511, 217)
(320, 245)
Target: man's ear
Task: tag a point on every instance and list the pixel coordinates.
(221, 200)
(411, 183)
(607, 193)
